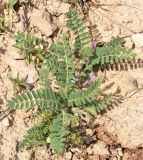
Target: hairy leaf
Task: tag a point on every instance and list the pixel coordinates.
(41, 97)
(58, 135)
(36, 136)
(87, 95)
(82, 38)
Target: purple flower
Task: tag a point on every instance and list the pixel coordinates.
(91, 76)
(94, 45)
(89, 79)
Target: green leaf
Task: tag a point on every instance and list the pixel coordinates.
(44, 97)
(82, 38)
(58, 135)
(36, 136)
(112, 52)
(82, 97)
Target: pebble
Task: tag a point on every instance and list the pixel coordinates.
(137, 40)
(89, 132)
(6, 122)
(100, 148)
(76, 150)
(48, 140)
(89, 151)
(25, 155)
(68, 155)
(89, 139)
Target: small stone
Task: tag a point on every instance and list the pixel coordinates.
(89, 151)
(25, 155)
(89, 139)
(68, 155)
(137, 40)
(100, 148)
(76, 150)
(48, 140)
(89, 132)
(6, 122)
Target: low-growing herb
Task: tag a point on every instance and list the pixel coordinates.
(76, 84)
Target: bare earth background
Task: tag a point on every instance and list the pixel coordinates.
(118, 134)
